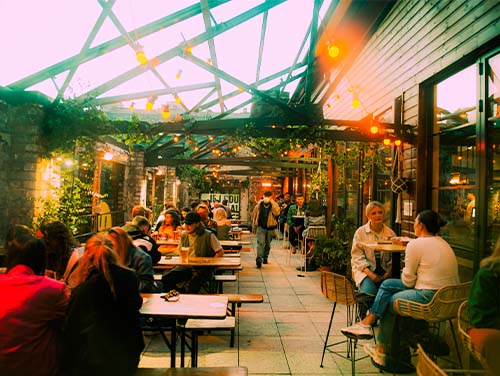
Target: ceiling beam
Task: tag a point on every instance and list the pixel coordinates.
(111, 45)
(179, 50)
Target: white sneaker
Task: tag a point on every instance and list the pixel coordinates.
(376, 356)
(358, 330)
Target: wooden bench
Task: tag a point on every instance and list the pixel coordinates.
(205, 371)
(198, 326)
(238, 299)
(221, 278)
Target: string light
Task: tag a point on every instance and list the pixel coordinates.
(178, 74)
(355, 102)
(165, 111)
(386, 142)
(333, 50)
(140, 55)
(374, 129)
(131, 107)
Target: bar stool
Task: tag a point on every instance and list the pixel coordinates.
(443, 307)
(338, 289)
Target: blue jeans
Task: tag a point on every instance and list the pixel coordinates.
(383, 306)
(367, 286)
(264, 238)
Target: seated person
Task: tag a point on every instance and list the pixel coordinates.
(139, 230)
(205, 214)
(135, 259)
(367, 274)
(31, 309)
(430, 264)
(201, 243)
(223, 224)
(101, 331)
(314, 216)
(61, 247)
(484, 310)
(295, 221)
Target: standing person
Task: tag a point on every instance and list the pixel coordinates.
(484, 310)
(102, 330)
(228, 209)
(201, 243)
(367, 273)
(31, 307)
(264, 219)
(430, 264)
(134, 258)
(295, 220)
(314, 217)
(284, 205)
(139, 230)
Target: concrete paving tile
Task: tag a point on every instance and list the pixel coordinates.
(300, 344)
(265, 362)
(299, 329)
(309, 364)
(260, 343)
(225, 359)
(261, 307)
(283, 317)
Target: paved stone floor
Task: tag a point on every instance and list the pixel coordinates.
(282, 336)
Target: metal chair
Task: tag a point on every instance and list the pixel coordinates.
(443, 307)
(427, 367)
(463, 328)
(313, 233)
(338, 289)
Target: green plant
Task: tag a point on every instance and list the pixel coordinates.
(334, 251)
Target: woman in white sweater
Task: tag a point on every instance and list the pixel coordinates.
(430, 264)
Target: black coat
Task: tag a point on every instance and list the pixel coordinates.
(102, 333)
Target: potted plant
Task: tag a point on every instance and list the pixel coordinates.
(334, 251)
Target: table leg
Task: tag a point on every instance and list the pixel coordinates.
(173, 340)
(396, 265)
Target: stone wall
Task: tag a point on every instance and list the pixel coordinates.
(20, 150)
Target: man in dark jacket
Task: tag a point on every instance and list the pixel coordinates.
(138, 230)
(264, 219)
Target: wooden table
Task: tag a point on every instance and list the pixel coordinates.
(168, 242)
(199, 261)
(230, 244)
(396, 251)
(187, 307)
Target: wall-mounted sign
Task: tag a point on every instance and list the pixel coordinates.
(233, 199)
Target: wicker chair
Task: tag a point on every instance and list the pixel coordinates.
(427, 367)
(338, 289)
(443, 307)
(463, 328)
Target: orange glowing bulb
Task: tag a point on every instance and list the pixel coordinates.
(386, 141)
(333, 51)
(397, 142)
(355, 103)
(374, 129)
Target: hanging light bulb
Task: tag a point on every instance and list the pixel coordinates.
(386, 141)
(178, 74)
(140, 55)
(131, 107)
(150, 103)
(178, 99)
(328, 106)
(107, 156)
(397, 142)
(165, 111)
(355, 102)
(333, 50)
(374, 129)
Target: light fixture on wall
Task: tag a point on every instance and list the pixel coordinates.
(108, 156)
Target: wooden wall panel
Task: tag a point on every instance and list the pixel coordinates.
(417, 40)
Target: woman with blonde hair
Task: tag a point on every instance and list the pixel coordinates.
(223, 224)
(102, 332)
(134, 258)
(484, 310)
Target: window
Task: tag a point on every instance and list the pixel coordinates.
(454, 179)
